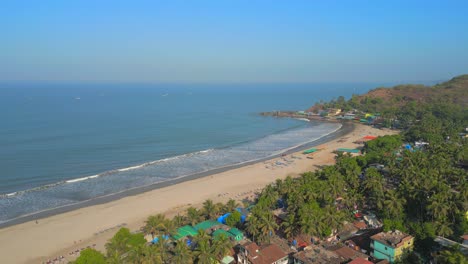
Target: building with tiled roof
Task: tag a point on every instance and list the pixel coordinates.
(251, 253)
(360, 261)
(349, 253)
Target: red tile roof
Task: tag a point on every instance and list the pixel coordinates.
(360, 261)
(349, 253)
(251, 247)
(360, 225)
(265, 255)
(270, 254)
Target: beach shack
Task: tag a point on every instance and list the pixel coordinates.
(218, 233)
(237, 234)
(184, 231)
(209, 226)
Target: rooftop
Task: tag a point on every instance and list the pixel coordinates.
(185, 231)
(391, 238)
(218, 232)
(349, 253)
(264, 255)
(207, 224)
(360, 225)
(316, 255)
(360, 261)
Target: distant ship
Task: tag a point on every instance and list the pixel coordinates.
(77, 98)
(166, 94)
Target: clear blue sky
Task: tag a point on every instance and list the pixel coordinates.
(233, 41)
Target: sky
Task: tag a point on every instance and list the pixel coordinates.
(233, 41)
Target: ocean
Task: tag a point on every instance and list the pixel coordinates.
(62, 144)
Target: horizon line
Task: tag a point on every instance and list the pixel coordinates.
(113, 82)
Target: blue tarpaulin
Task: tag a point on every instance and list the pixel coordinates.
(156, 239)
(222, 219)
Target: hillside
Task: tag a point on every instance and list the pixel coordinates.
(453, 91)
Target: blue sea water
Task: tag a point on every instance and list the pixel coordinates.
(63, 144)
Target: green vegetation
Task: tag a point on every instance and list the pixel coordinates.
(90, 256)
(421, 191)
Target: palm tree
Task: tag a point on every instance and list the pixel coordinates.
(218, 209)
(289, 226)
(193, 215)
(222, 246)
(208, 209)
(118, 244)
(332, 217)
(267, 225)
(452, 256)
(310, 218)
(443, 229)
(231, 205)
(204, 253)
(151, 255)
(162, 249)
(201, 235)
(136, 255)
(114, 258)
(374, 184)
(253, 227)
(394, 204)
(179, 220)
(154, 225)
(438, 206)
(182, 254)
(288, 185)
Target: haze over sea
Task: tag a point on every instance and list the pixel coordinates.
(54, 136)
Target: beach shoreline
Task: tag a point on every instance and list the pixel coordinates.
(345, 128)
(75, 229)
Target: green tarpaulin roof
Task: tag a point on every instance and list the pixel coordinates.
(312, 150)
(185, 231)
(218, 232)
(206, 224)
(238, 235)
(348, 150)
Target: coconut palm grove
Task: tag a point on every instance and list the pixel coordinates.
(413, 183)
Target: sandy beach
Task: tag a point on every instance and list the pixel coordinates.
(61, 234)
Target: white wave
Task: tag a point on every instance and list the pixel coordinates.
(82, 179)
(131, 168)
(107, 173)
(302, 119)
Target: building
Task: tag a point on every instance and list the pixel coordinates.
(251, 253)
(347, 253)
(390, 245)
(360, 261)
(315, 255)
